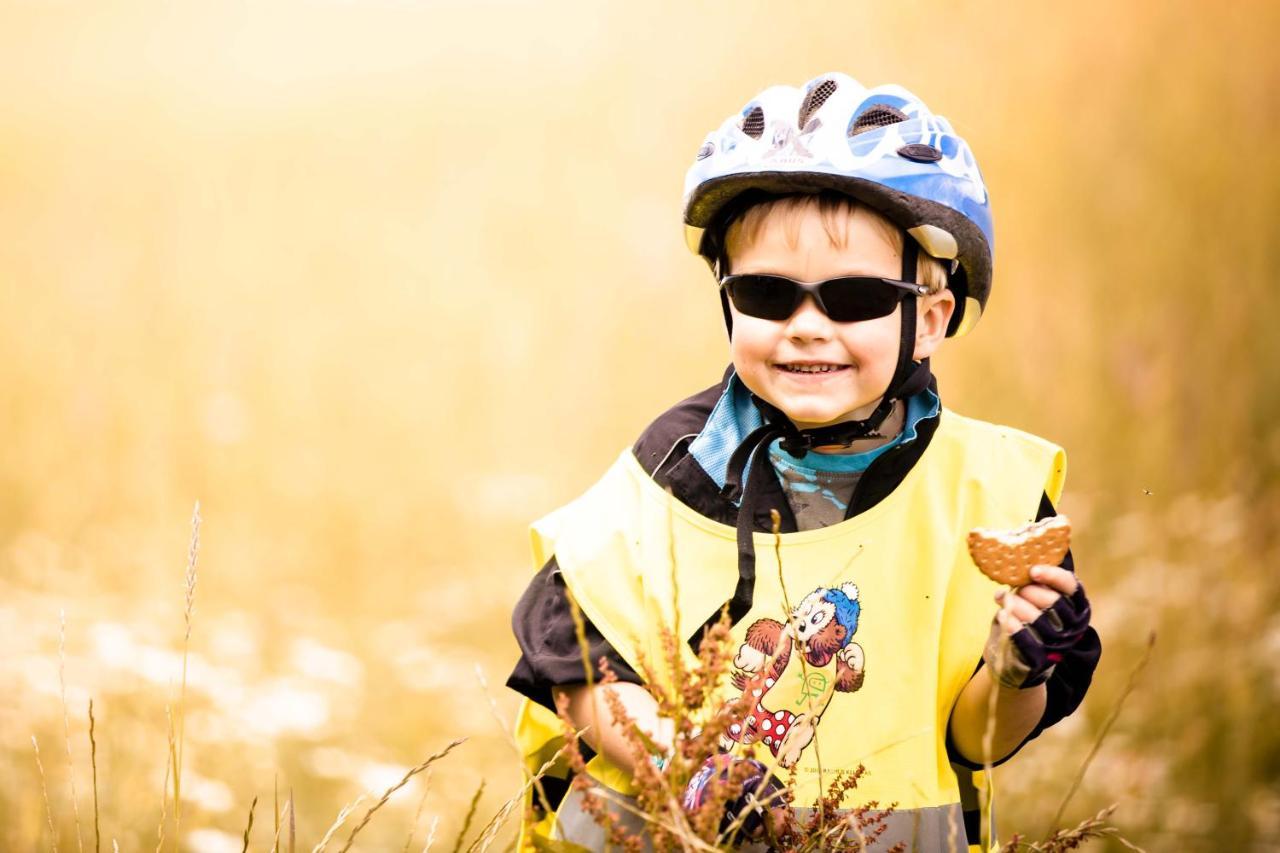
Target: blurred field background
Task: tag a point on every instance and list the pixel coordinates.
(379, 282)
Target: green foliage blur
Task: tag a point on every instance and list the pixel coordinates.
(378, 283)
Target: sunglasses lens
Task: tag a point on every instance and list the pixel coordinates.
(850, 300)
(763, 296)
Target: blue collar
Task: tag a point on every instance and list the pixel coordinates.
(734, 416)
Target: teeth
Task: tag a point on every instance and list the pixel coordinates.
(811, 368)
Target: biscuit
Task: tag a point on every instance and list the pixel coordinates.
(1006, 556)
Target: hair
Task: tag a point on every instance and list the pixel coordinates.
(836, 210)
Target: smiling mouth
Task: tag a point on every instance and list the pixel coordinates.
(811, 368)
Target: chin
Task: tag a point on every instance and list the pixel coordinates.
(807, 418)
(823, 414)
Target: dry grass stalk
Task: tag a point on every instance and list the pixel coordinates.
(281, 821)
(249, 826)
(1129, 687)
(677, 663)
(66, 721)
(164, 788)
(775, 519)
(48, 810)
(591, 802)
(193, 552)
(396, 787)
(699, 723)
(417, 815)
(431, 835)
(275, 811)
(496, 823)
(343, 814)
(580, 630)
(93, 761)
(1062, 840)
(508, 732)
(471, 814)
(989, 730)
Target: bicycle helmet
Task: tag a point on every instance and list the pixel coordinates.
(881, 146)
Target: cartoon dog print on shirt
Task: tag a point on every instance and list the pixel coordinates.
(791, 696)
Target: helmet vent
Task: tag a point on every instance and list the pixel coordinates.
(814, 100)
(877, 116)
(753, 123)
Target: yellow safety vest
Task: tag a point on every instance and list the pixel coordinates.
(922, 611)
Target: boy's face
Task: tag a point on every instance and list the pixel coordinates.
(766, 353)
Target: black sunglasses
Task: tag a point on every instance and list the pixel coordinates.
(847, 299)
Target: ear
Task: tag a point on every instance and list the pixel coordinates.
(931, 323)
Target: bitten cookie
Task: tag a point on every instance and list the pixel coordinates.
(1006, 556)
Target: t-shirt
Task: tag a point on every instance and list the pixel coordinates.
(819, 486)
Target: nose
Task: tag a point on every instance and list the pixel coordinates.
(809, 322)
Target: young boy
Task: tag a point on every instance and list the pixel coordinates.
(850, 233)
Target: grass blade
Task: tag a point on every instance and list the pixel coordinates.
(396, 787)
(249, 827)
(93, 761)
(471, 814)
(48, 810)
(66, 722)
(343, 814)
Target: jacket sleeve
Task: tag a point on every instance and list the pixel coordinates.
(1071, 677)
(550, 655)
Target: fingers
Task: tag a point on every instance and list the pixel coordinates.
(1040, 597)
(1056, 578)
(1029, 603)
(1013, 604)
(1009, 623)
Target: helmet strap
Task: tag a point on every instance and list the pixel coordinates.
(909, 377)
(750, 460)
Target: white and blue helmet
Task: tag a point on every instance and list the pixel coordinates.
(881, 146)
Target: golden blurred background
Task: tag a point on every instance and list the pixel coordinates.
(379, 282)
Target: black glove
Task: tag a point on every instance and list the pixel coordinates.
(1031, 653)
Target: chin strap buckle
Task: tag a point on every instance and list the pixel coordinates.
(797, 444)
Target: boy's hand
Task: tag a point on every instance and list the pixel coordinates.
(1035, 626)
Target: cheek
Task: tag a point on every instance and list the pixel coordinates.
(874, 340)
(752, 342)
